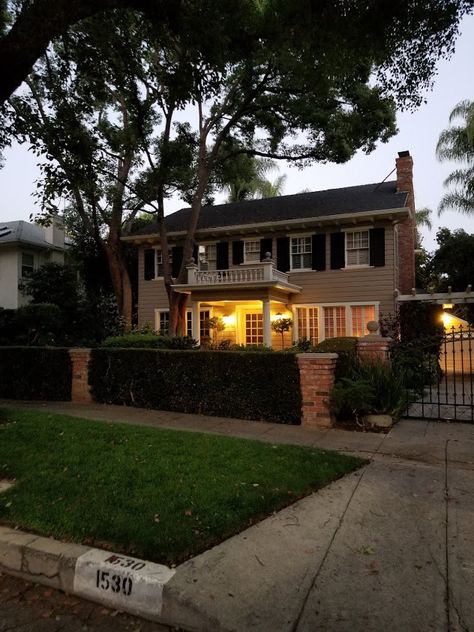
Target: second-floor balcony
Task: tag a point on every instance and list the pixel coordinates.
(263, 274)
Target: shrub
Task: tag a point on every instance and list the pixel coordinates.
(374, 387)
(34, 324)
(149, 341)
(346, 348)
(35, 373)
(229, 384)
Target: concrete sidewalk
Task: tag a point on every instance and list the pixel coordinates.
(388, 547)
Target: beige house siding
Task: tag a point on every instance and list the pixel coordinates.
(371, 284)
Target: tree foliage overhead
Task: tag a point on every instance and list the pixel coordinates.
(456, 144)
(297, 81)
(452, 263)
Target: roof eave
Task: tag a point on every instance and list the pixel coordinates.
(307, 222)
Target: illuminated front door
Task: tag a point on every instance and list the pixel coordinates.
(253, 328)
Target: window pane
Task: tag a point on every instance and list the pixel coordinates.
(189, 324)
(361, 315)
(164, 323)
(334, 321)
(252, 250)
(27, 264)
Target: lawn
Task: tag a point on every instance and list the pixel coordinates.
(162, 495)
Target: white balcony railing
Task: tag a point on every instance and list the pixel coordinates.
(245, 273)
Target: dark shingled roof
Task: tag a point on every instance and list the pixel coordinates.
(358, 199)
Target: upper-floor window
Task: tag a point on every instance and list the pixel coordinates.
(207, 257)
(27, 264)
(159, 263)
(301, 253)
(251, 250)
(357, 248)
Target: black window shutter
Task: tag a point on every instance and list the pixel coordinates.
(337, 251)
(318, 251)
(176, 260)
(377, 246)
(237, 252)
(149, 264)
(283, 254)
(222, 255)
(266, 245)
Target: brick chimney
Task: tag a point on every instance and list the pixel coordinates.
(406, 228)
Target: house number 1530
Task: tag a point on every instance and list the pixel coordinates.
(116, 583)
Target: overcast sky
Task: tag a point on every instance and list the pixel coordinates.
(418, 132)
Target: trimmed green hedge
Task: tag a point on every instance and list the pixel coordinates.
(35, 373)
(149, 341)
(228, 384)
(346, 348)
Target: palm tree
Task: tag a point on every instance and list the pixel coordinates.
(248, 179)
(457, 143)
(422, 220)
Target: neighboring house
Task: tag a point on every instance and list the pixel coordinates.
(331, 260)
(24, 247)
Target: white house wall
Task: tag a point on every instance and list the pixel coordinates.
(9, 264)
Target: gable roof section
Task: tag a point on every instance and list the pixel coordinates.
(23, 233)
(319, 204)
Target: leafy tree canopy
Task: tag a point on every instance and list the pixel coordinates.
(452, 263)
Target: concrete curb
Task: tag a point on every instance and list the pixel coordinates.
(71, 567)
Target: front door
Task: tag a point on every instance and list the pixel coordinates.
(253, 328)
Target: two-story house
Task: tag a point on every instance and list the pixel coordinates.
(329, 260)
(24, 247)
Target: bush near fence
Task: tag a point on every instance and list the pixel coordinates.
(346, 349)
(229, 384)
(35, 373)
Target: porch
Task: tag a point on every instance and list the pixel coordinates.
(241, 302)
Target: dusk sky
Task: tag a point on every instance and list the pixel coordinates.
(418, 133)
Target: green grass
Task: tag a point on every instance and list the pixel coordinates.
(158, 494)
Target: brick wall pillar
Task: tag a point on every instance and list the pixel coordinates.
(371, 347)
(80, 390)
(316, 380)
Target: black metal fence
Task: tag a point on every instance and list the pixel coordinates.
(439, 375)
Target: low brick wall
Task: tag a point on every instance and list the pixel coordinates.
(317, 371)
(80, 389)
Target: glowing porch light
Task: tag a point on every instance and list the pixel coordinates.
(229, 320)
(448, 306)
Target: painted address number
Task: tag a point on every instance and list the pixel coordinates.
(122, 582)
(126, 562)
(115, 583)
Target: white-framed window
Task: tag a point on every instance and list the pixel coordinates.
(207, 257)
(163, 322)
(334, 321)
(254, 329)
(204, 329)
(27, 264)
(300, 250)
(357, 248)
(360, 316)
(251, 250)
(319, 321)
(308, 323)
(159, 272)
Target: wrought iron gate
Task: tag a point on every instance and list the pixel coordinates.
(440, 377)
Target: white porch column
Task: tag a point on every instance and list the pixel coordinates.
(267, 329)
(196, 321)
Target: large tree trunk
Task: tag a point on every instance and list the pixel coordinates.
(120, 282)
